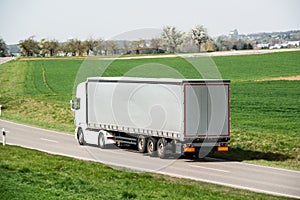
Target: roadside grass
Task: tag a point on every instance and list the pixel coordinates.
(29, 174)
(271, 106)
(264, 115)
(265, 123)
(33, 94)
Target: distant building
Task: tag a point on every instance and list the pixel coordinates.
(294, 43)
(233, 34)
(284, 45)
(276, 46)
(263, 46)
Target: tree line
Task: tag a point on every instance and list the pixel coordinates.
(171, 40)
(3, 48)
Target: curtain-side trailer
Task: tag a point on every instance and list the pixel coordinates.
(161, 116)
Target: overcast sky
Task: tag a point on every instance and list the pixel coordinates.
(64, 19)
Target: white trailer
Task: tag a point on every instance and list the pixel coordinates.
(159, 116)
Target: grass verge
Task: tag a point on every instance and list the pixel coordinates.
(29, 174)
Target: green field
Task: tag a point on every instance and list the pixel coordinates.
(264, 115)
(28, 174)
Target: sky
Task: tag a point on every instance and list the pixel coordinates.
(107, 19)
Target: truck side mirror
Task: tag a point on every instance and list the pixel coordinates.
(75, 105)
(72, 105)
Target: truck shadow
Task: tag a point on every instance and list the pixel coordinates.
(234, 154)
(237, 154)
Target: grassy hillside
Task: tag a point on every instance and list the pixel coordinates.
(27, 174)
(264, 115)
(253, 67)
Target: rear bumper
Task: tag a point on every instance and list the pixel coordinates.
(207, 144)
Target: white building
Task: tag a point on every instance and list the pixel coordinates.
(234, 34)
(294, 43)
(263, 45)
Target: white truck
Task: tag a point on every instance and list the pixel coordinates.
(160, 116)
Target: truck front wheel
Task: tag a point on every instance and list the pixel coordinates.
(101, 141)
(80, 136)
(151, 146)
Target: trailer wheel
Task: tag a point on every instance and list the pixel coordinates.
(151, 146)
(80, 136)
(141, 144)
(101, 141)
(161, 148)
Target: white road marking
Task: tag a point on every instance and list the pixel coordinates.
(37, 128)
(262, 166)
(209, 168)
(54, 141)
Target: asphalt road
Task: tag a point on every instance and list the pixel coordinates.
(234, 174)
(6, 59)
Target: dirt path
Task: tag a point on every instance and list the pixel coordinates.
(54, 58)
(287, 78)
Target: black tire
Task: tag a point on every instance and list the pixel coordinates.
(80, 136)
(151, 146)
(161, 148)
(101, 141)
(142, 144)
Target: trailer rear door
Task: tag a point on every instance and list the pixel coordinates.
(206, 110)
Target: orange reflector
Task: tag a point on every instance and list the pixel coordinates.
(189, 150)
(222, 148)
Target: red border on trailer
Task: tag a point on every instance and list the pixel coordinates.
(228, 90)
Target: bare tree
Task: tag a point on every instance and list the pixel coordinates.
(155, 44)
(172, 37)
(79, 47)
(126, 47)
(75, 47)
(137, 45)
(199, 35)
(90, 45)
(71, 46)
(100, 47)
(49, 47)
(111, 47)
(3, 48)
(42, 46)
(29, 47)
(65, 48)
